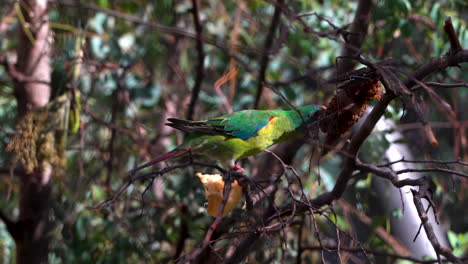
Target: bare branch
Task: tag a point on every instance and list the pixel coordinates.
(389, 175)
(201, 60)
(373, 252)
(275, 21)
(439, 249)
(330, 34)
(19, 76)
(354, 41)
(441, 85)
(455, 45)
(441, 162)
(463, 175)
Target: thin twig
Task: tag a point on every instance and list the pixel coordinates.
(377, 253)
(441, 162)
(464, 175)
(441, 85)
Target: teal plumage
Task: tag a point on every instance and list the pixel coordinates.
(240, 134)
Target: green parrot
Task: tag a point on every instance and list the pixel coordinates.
(238, 135)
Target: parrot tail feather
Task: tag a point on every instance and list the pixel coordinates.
(158, 159)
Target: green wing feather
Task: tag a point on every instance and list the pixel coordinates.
(243, 124)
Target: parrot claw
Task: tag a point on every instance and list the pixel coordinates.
(237, 168)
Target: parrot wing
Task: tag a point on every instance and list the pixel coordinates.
(243, 124)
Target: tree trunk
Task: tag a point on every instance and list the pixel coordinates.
(32, 91)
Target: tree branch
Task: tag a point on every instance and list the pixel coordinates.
(201, 60)
(441, 85)
(19, 76)
(389, 175)
(354, 41)
(275, 21)
(441, 162)
(372, 252)
(455, 45)
(439, 249)
(463, 175)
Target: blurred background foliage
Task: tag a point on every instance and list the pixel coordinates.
(134, 75)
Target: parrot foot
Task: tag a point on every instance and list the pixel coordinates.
(237, 168)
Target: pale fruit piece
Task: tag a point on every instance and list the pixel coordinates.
(214, 186)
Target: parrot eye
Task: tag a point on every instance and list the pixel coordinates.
(314, 115)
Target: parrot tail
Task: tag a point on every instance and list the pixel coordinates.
(158, 159)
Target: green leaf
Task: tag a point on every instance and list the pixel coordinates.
(98, 193)
(103, 3)
(75, 114)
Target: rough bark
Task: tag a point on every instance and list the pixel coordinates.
(33, 92)
(33, 57)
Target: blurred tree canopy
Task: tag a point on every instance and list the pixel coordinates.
(119, 69)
